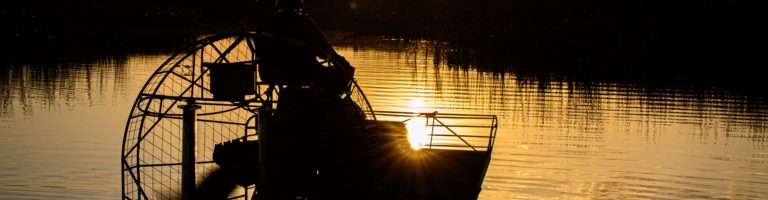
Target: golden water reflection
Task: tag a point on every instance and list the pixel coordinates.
(563, 139)
(557, 139)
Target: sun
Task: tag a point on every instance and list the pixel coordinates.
(418, 134)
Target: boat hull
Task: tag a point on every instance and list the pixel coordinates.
(378, 163)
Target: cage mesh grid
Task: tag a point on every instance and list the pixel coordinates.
(152, 140)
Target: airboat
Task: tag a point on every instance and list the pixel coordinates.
(211, 95)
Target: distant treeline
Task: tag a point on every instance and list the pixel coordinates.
(43, 30)
(700, 40)
(680, 39)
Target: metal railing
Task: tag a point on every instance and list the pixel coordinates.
(436, 130)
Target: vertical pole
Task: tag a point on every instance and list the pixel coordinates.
(431, 132)
(189, 121)
(265, 160)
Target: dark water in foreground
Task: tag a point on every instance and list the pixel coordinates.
(61, 129)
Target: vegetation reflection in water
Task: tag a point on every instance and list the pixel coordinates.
(582, 139)
(558, 138)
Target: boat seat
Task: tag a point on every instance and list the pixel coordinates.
(286, 61)
(232, 81)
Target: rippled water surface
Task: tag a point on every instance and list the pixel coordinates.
(61, 128)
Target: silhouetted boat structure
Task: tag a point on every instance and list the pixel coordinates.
(194, 102)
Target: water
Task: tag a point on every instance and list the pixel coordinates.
(61, 129)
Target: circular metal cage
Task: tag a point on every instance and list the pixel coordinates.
(152, 151)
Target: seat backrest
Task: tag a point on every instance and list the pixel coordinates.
(286, 61)
(231, 81)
